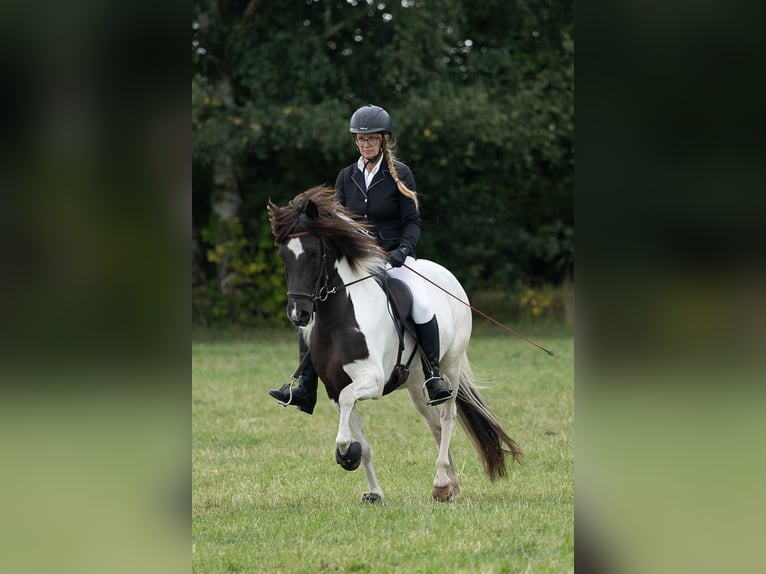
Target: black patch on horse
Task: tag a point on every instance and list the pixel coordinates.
(343, 343)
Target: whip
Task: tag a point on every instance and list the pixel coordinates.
(498, 323)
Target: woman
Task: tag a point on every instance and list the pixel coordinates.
(382, 191)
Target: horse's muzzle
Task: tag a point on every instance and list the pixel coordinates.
(299, 317)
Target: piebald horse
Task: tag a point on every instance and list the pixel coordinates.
(336, 295)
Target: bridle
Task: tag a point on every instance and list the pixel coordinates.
(321, 288)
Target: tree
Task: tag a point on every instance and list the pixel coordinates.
(481, 97)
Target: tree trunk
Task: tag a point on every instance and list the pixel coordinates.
(225, 201)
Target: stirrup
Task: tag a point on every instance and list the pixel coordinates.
(288, 388)
(447, 385)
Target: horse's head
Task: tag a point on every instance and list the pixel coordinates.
(307, 269)
(312, 232)
(305, 258)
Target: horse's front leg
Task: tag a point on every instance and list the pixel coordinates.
(367, 383)
(355, 423)
(352, 447)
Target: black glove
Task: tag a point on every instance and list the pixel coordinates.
(397, 256)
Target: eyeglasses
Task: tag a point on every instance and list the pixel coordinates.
(367, 141)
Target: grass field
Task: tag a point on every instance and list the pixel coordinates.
(268, 496)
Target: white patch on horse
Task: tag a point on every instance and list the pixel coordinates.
(292, 312)
(367, 373)
(295, 246)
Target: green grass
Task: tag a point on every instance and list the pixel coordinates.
(269, 497)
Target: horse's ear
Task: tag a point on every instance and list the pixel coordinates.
(312, 211)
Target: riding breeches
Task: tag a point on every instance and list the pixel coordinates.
(422, 312)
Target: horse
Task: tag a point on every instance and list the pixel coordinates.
(337, 296)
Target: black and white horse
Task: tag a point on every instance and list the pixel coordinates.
(335, 273)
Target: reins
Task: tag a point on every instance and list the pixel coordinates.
(370, 276)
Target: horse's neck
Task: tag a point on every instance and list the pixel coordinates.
(361, 289)
(363, 277)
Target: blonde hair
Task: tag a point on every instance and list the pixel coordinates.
(388, 149)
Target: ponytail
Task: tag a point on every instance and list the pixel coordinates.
(388, 146)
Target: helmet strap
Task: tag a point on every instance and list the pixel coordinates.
(374, 159)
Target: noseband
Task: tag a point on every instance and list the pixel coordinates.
(321, 290)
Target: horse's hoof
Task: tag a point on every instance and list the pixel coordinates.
(442, 493)
(352, 458)
(371, 497)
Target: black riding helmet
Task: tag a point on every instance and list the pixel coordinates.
(370, 119)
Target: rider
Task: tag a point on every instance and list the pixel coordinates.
(382, 191)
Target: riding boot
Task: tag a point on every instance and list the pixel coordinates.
(428, 335)
(304, 396)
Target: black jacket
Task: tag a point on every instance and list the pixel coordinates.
(394, 217)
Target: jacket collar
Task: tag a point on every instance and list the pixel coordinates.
(358, 177)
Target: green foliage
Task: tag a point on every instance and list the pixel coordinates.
(253, 290)
(537, 301)
(481, 96)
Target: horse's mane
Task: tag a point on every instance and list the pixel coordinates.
(315, 211)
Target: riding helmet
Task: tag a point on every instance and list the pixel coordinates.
(370, 119)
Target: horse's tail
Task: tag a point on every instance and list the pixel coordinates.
(480, 424)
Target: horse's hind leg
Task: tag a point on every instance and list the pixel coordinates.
(446, 482)
(355, 426)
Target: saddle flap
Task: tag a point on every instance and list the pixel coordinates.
(400, 300)
(400, 297)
